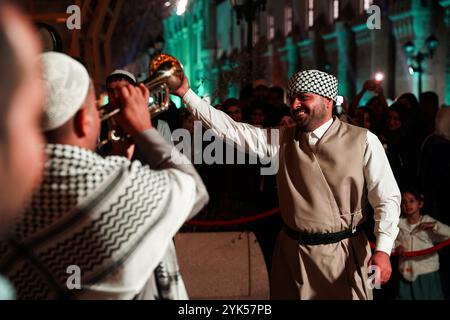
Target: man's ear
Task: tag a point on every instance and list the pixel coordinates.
(329, 103)
(81, 122)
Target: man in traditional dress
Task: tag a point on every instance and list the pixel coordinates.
(327, 170)
(98, 227)
(168, 284)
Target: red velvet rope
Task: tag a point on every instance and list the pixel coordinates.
(423, 252)
(204, 223)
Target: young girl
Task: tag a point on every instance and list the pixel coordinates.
(419, 275)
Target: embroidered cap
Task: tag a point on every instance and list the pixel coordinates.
(313, 81)
(67, 83)
(121, 74)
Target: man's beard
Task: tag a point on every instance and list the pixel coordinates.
(302, 117)
(306, 119)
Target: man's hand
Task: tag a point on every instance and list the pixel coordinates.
(181, 91)
(134, 117)
(382, 261)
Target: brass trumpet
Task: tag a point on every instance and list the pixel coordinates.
(165, 75)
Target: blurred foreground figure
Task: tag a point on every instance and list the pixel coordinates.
(98, 227)
(21, 100)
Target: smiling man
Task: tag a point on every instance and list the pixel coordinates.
(327, 171)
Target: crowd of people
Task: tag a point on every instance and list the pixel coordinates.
(110, 210)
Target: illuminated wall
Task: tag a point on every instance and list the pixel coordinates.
(208, 40)
(186, 39)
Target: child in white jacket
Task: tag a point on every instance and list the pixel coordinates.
(419, 275)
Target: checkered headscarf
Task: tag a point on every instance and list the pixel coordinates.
(313, 81)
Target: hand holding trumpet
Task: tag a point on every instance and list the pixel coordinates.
(133, 117)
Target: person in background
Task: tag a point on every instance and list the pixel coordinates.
(434, 178)
(419, 275)
(232, 108)
(117, 79)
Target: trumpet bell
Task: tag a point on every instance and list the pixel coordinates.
(165, 69)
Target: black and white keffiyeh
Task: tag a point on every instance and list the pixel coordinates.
(94, 213)
(313, 81)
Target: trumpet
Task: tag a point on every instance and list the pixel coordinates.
(165, 75)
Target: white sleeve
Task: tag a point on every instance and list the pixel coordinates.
(261, 142)
(383, 193)
(130, 279)
(164, 129)
(441, 231)
(161, 155)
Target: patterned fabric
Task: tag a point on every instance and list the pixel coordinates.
(168, 277)
(90, 212)
(313, 81)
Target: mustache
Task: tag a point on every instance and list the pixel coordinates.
(297, 111)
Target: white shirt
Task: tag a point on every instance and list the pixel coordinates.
(316, 135)
(413, 239)
(164, 129)
(383, 192)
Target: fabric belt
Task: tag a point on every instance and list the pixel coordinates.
(321, 238)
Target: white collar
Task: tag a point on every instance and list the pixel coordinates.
(320, 131)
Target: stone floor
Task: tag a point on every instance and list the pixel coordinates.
(222, 265)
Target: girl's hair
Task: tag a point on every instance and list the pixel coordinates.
(414, 192)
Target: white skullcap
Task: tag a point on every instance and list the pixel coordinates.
(67, 83)
(122, 73)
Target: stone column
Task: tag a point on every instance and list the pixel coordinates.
(340, 41)
(446, 5)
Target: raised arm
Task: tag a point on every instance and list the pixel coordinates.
(156, 151)
(256, 141)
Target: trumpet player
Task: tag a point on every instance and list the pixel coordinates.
(168, 267)
(98, 227)
(116, 80)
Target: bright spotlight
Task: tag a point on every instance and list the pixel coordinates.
(181, 7)
(379, 76)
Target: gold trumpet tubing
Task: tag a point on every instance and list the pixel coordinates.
(112, 113)
(150, 84)
(109, 115)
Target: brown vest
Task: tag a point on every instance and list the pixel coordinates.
(322, 190)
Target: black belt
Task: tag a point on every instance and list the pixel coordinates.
(321, 238)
